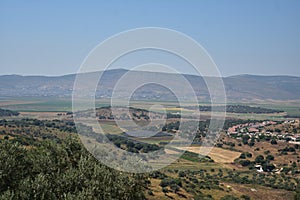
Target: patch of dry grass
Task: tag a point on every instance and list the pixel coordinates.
(219, 155)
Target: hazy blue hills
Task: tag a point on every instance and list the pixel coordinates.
(263, 87)
(238, 88)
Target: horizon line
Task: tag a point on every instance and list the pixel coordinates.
(190, 74)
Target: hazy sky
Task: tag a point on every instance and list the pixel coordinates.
(243, 37)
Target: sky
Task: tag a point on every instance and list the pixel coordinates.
(242, 37)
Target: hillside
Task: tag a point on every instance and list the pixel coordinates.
(238, 88)
(7, 113)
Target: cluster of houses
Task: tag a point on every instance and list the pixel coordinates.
(257, 129)
(249, 127)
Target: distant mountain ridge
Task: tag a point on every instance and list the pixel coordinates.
(238, 88)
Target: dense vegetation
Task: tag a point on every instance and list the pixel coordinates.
(61, 171)
(237, 109)
(43, 159)
(7, 113)
(30, 131)
(132, 145)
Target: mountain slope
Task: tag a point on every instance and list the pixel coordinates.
(238, 88)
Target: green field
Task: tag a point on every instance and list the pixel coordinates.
(290, 107)
(43, 104)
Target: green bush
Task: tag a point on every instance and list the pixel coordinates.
(229, 197)
(273, 141)
(245, 197)
(245, 163)
(61, 171)
(243, 156)
(259, 159)
(270, 157)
